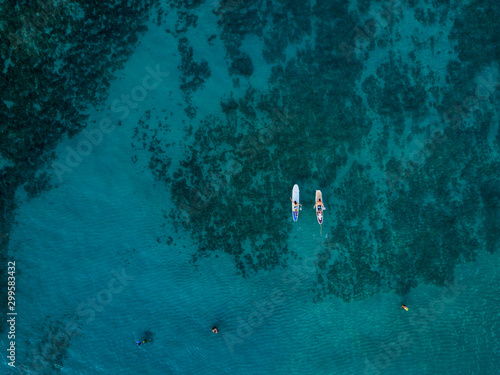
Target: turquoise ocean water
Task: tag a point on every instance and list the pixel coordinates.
(165, 210)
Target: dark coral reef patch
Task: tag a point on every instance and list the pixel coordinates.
(58, 59)
(400, 218)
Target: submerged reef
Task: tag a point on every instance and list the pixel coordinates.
(46, 353)
(406, 153)
(242, 65)
(412, 218)
(416, 233)
(238, 165)
(153, 139)
(392, 93)
(217, 191)
(193, 76)
(398, 127)
(58, 58)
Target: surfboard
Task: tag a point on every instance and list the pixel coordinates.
(295, 198)
(319, 211)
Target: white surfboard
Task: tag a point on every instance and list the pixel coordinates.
(295, 198)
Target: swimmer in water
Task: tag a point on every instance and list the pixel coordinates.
(143, 341)
(404, 307)
(215, 330)
(148, 337)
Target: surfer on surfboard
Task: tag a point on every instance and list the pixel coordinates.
(319, 207)
(295, 202)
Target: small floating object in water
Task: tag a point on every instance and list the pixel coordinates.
(404, 307)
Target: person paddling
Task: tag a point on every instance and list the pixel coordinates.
(295, 204)
(320, 205)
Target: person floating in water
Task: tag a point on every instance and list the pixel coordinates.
(404, 307)
(142, 342)
(215, 330)
(148, 337)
